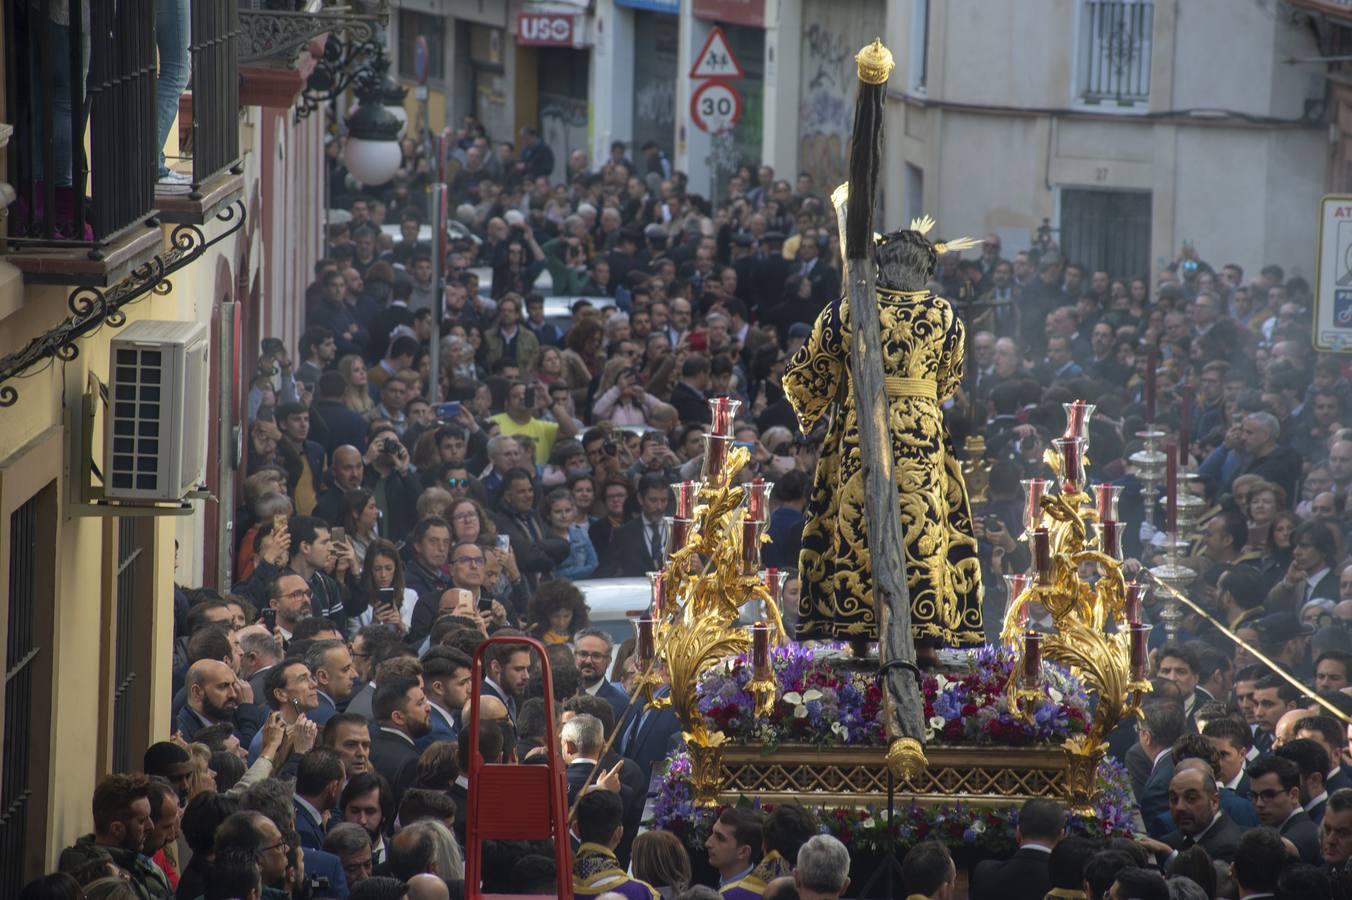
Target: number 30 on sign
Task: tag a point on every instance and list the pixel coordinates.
(715, 107)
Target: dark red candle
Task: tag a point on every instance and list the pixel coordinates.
(1140, 653)
(687, 494)
(1072, 463)
(715, 455)
(658, 584)
(1033, 488)
(1042, 555)
(647, 646)
(1152, 362)
(1184, 422)
(722, 410)
(755, 499)
(751, 546)
(1032, 660)
(760, 649)
(1171, 489)
(1131, 606)
(1111, 533)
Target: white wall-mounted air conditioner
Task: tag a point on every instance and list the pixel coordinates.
(156, 428)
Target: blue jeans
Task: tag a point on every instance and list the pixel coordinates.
(173, 35)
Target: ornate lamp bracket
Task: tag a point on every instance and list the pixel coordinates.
(91, 307)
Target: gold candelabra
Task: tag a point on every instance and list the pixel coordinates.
(1111, 665)
(712, 570)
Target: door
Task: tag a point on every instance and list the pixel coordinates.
(1107, 230)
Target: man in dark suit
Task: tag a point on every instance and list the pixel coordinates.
(1328, 733)
(1161, 724)
(400, 707)
(1194, 804)
(1232, 740)
(636, 548)
(646, 735)
(212, 698)
(507, 668)
(1313, 762)
(343, 425)
(319, 784)
(1275, 781)
(690, 394)
(816, 269)
(1178, 663)
(593, 652)
(1025, 875)
(446, 681)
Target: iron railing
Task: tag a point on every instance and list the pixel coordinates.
(69, 80)
(124, 653)
(21, 652)
(1115, 51)
(215, 89)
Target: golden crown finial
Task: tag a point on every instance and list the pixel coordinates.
(875, 63)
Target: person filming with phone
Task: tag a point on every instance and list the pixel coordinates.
(521, 417)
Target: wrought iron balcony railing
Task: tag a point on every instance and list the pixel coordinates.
(1114, 54)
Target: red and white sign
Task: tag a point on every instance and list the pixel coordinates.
(733, 12)
(715, 107)
(538, 29)
(715, 59)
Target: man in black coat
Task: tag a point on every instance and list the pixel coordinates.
(1275, 783)
(690, 395)
(1025, 875)
(401, 710)
(637, 546)
(537, 552)
(343, 425)
(1280, 465)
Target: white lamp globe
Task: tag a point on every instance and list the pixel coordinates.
(372, 153)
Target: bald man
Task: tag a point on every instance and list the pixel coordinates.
(347, 472)
(1286, 726)
(427, 886)
(212, 698)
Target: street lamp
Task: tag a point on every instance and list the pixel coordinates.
(372, 153)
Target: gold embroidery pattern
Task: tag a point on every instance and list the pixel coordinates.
(922, 339)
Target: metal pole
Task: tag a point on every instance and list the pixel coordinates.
(438, 289)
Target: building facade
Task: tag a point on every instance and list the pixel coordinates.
(1128, 126)
(86, 604)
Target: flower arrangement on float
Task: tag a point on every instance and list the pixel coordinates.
(825, 704)
(989, 830)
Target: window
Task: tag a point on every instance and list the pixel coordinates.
(915, 192)
(919, 64)
(130, 688)
(413, 25)
(24, 755)
(1107, 230)
(1114, 52)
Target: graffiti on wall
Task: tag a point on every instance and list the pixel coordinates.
(563, 126)
(837, 29)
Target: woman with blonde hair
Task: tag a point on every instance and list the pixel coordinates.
(202, 778)
(659, 858)
(357, 397)
(1265, 501)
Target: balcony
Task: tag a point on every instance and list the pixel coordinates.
(209, 117)
(84, 157)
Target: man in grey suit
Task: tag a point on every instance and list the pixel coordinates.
(1162, 723)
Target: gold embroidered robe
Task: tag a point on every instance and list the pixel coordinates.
(922, 352)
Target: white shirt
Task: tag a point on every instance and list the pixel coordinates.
(1315, 801)
(1233, 784)
(1042, 848)
(442, 711)
(595, 688)
(1159, 756)
(1312, 581)
(389, 730)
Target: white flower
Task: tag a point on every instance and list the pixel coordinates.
(839, 728)
(868, 823)
(930, 733)
(1056, 695)
(978, 826)
(811, 695)
(940, 682)
(937, 722)
(800, 712)
(793, 697)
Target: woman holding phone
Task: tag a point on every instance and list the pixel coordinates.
(359, 516)
(382, 581)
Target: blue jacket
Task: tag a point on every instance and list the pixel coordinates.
(613, 694)
(442, 730)
(326, 710)
(646, 735)
(311, 832)
(1154, 799)
(322, 864)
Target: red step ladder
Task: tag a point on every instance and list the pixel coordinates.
(513, 802)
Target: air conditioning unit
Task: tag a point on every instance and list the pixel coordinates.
(156, 427)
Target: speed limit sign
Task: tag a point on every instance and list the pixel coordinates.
(715, 107)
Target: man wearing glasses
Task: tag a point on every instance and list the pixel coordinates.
(592, 651)
(289, 597)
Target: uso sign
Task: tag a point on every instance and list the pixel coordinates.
(541, 29)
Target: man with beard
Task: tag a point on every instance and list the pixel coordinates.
(401, 708)
(592, 651)
(508, 671)
(367, 802)
(1194, 804)
(164, 815)
(212, 698)
(122, 823)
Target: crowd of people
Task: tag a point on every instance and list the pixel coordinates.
(387, 527)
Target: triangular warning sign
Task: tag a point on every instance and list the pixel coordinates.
(715, 60)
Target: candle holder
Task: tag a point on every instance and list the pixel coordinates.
(657, 591)
(1033, 491)
(1106, 497)
(1077, 419)
(1071, 451)
(1133, 601)
(1150, 463)
(762, 685)
(1173, 573)
(1088, 630)
(1190, 506)
(678, 533)
(1015, 586)
(758, 499)
(706, 583)
(724, 410)
(1140, 652)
